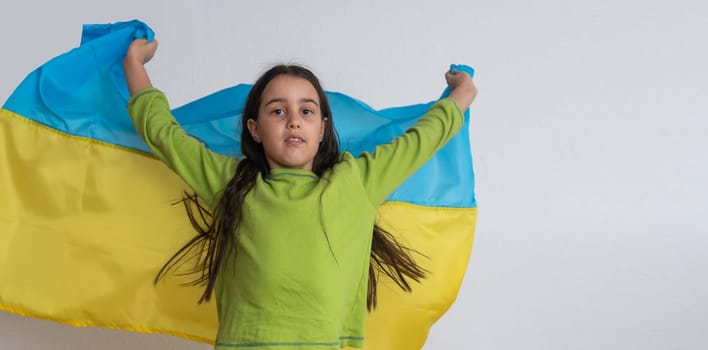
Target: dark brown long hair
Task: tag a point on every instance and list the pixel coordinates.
(217, 234)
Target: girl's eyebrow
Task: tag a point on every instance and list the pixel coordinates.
(309, 100)
(282, 100)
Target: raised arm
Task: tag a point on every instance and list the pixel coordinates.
(203, 170)
(389, 165)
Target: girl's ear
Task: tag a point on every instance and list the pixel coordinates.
(323, 128)
(253, 129)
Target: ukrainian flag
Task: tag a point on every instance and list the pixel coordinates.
(87, 216)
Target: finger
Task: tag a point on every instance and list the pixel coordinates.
(151, 46)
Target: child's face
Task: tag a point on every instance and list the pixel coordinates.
(289, 124)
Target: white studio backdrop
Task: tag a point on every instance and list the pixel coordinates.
(589, 133)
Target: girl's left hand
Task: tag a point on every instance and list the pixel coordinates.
(462, 87)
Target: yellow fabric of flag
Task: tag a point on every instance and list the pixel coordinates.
(85, 226)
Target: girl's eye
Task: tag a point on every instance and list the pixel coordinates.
(307, 111)
(278, 112)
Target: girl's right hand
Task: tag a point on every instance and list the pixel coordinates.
(462, 88)
(140, 51)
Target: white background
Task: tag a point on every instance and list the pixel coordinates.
(589, 136)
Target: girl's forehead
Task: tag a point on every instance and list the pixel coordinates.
(289, 87)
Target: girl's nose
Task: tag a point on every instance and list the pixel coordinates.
(294, 123)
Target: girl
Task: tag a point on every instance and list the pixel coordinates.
(287, 251)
